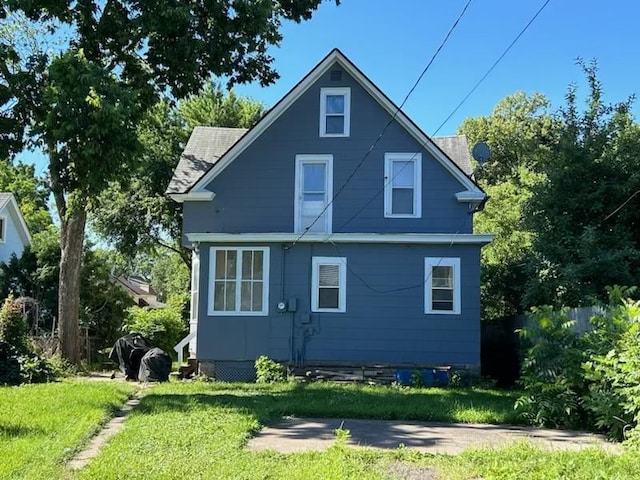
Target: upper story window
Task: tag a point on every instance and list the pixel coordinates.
(442, 285)
(3, 227)
(335, 109)
(239, 281)
(313, 194)
(403, 185)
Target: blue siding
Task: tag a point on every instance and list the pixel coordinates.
(377, 327)
(256, 192)
(13, 242)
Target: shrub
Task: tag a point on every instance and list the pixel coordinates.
(13, 326)
(269, 371)
(552, 374)
(164, 327)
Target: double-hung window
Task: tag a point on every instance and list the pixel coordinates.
(313, 193)
(239, 278)
(442, 285)
(335, 112)
(329, 284)
(402, 185)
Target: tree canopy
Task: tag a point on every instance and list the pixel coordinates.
(82, 105)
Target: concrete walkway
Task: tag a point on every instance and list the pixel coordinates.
(303, 434)
(109, 430)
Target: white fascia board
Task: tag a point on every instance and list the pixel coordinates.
(470, 196)
(23, 225)
(422, 238)
(302, 87)
(201, 196)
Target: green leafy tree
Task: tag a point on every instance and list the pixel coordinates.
(519, 131)
(31, 193)
(137, 217)
(582, 241)
(83, 105)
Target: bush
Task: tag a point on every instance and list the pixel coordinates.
(269, 371)
(13, 326)
(164, 327)
(584, 381)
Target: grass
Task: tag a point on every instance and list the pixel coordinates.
(43, 425)
(199, 431)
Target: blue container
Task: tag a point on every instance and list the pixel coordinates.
(442, 378)
(428, 377)
(403, 377)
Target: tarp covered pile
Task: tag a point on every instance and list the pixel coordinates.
(139, 360)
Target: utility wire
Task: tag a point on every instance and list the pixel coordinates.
(366, 155)
(492, 66)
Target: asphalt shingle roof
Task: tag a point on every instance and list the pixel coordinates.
(204, 148)
(208, 144)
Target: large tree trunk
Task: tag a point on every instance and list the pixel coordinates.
(71, 243)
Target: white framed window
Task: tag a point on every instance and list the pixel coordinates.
(329, 284)
(239, 281)
(335, 111)
(313, 211)
(442, 285)
(403, 185)
(3, 229)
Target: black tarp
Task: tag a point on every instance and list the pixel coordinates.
(155, 366)
(127, 353)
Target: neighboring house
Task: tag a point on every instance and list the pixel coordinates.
(139, 290)
(313, 249)
(14, 234)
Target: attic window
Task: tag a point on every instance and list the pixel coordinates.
(3, 225)
(336, 75)
(335, 109)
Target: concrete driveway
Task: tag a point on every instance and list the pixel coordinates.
(303, 434)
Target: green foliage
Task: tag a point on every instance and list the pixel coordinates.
(269, 371)
(134, 214)
(31, 193)
(580, 244)
(590, 380)
(13, 327)
(551, 371)
(164, 327)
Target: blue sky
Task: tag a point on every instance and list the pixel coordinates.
(391, 41)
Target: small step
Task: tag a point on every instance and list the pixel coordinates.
(186, 371)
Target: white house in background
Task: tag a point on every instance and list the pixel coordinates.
(14, 234)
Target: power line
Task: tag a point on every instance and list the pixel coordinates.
(366, 155)
(492, 66)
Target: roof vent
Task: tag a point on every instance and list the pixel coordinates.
(336, 75)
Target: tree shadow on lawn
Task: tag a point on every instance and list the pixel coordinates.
(301, 401)
(14, 431)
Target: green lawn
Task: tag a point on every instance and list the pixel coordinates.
(43, 425)
(199, 430)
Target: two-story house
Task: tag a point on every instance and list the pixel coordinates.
(14, 234)
(333, 232)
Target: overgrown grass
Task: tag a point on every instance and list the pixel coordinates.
(199, 431)
(43, 425)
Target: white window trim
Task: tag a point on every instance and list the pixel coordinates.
(265, 280)
(429, 263)
(320, 158)
(346, 92)
(342, 294)
(3, 229)
(416, 158)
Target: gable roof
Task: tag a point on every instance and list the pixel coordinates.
(204, 148)
(8, 201)
(198, 191)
